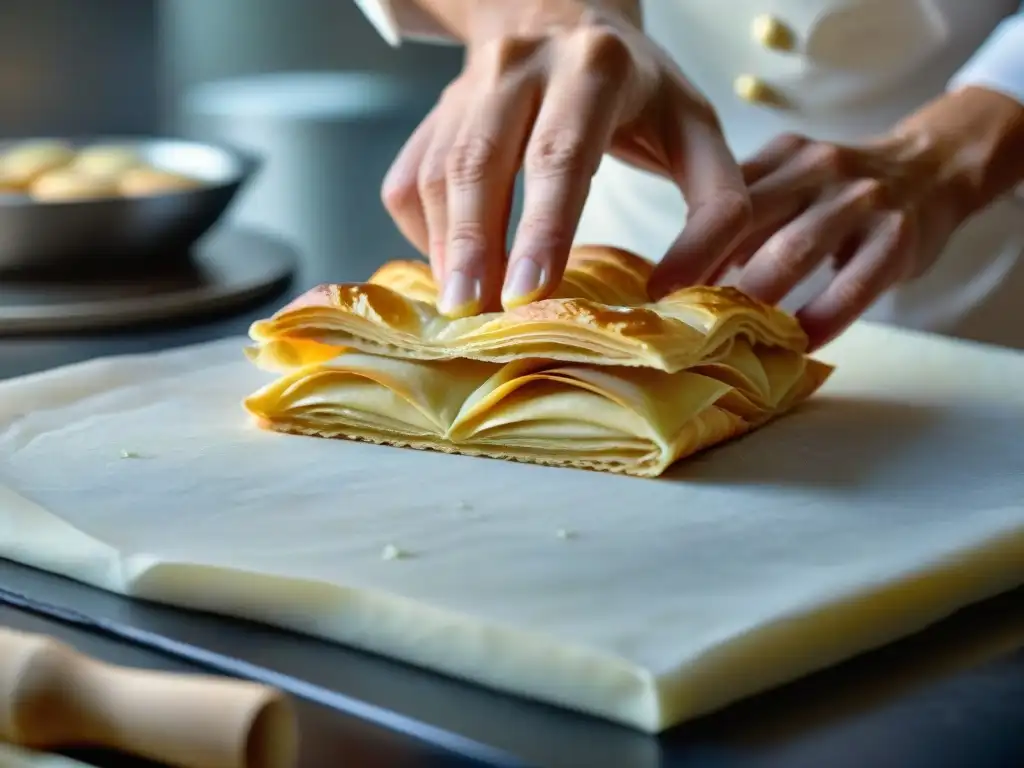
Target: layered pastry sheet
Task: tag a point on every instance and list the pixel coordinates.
(547, 384)
(599, 314)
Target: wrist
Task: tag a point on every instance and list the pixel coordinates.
(970, 141)
(475, 21)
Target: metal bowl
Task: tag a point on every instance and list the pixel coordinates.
(102, 232)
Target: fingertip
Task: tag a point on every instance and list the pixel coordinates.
(824, 318)
(461, 295)
(670, 280)
(661, 284)
(685, 264)
(537, 260)
(820, 333)
(526, 281)
(760, 286)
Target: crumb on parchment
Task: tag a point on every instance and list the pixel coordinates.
(392, 552)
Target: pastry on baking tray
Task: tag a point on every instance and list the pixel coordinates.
(597, 377)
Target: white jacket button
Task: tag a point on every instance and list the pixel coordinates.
(753, 90)
(772, 33)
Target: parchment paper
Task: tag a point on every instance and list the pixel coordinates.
(892, 499)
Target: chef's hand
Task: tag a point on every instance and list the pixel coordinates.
(550, 86)
(882, 212)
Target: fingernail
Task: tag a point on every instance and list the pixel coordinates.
(461, 295)
(523, 284)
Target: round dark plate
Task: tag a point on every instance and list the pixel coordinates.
(227, 270)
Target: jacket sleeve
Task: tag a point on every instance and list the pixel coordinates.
(398, 20)
(999, 63)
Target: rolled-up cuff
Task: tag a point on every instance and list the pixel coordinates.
(398, 20)
(999, 64)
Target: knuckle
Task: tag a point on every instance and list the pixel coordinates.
(828, 157)
(398, 197)
(432, 185)
(737, 208)
(788, 251)
(506, 53)
(452, 93)
(467, 238)
(544, 233)
(791, 141)
(603, 52)
(705, 114)
(869, 191)
(471, 160)
(558, 152)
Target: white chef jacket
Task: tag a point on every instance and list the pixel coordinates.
(844, 70)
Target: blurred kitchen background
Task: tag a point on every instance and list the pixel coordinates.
(308, 84)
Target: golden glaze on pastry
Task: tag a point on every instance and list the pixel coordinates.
(599, 314)
(595, 378)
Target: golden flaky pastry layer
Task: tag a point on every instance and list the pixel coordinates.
(637, 421)
(548, 384)
(599, 314)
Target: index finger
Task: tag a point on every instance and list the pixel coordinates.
(572, 131)
(481, 177)
(718, 207)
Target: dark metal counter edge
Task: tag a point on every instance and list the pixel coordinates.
(242, 669)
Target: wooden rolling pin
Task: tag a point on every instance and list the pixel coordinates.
(52, 698)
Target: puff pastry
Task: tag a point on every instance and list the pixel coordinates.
(599, 314)
(549, 384)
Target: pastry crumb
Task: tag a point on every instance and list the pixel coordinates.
(391, 552)
(564, 533)
(130, 455)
